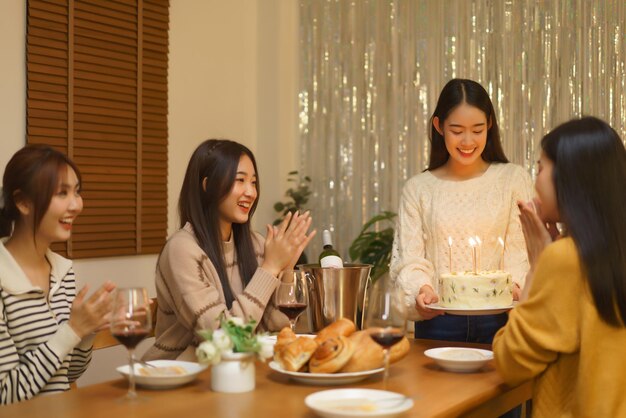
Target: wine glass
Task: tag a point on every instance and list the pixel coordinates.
(385, 317)
(292, 295)
(131, 322)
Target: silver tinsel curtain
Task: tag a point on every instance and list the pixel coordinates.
(371, 72)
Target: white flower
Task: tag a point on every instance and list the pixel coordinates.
(237, 321)
(267, 350)
(208, 353)
(221, 340)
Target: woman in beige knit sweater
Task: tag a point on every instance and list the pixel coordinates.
(215, 263)
(469, 189)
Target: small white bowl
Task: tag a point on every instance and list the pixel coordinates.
(164, 382)
(459, 359)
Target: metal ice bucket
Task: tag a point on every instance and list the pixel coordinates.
(336, 293)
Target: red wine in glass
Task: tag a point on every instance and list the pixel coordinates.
(386, 338)
(292, 310)
(131, 321)
(385, 317)
(130, 338)
(292, 295)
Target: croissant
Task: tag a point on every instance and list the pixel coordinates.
(331, 355)
(399, 350)
(342, 326)
(367, 354)
(285, 337)
(295, 355)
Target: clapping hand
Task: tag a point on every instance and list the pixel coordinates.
(285, 243)
(91, 314)
(537, 233)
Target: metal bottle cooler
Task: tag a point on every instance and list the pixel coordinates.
(336, 293)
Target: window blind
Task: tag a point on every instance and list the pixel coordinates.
(97, 90)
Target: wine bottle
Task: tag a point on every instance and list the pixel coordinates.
(329, 256)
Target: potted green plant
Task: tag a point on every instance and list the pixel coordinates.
(374, 242)
(297, 197)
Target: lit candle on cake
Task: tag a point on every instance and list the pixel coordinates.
(450, 252)
(478, 251)
(472, 243)
(501, 241)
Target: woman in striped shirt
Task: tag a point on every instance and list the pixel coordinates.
(46, 328)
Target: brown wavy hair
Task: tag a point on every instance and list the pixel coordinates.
(31, 174)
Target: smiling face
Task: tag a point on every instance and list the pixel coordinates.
(546, 192)
(465, 135)
(236, 205)
(65, 205)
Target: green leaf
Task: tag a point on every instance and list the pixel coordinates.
(374, 247)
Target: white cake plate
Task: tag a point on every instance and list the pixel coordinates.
(470, 311)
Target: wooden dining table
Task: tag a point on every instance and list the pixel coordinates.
(436, 393)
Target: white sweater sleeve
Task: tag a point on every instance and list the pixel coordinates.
(516, 256)
(409, 267)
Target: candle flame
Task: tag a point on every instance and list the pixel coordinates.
(450, 241)
(501, 241)
(472, 241)
(478, 240)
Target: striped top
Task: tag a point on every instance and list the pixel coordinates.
(39, 351)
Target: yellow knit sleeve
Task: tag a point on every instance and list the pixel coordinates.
(548, 322)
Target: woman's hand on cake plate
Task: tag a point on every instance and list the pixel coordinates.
(517, 292)
(537, 233)
(425, 297)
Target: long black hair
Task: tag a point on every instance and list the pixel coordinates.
(216, 160)
(32, 174)
(458, 91)
(589, 176)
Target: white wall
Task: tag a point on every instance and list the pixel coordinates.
(12, 78)
(232, 74)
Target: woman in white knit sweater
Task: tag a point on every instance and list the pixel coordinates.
(468, 190)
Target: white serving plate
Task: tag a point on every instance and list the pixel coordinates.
(341, 403)
(325, 378)
(164, 382)
(272, 338)
(470, 311)
(459, 359)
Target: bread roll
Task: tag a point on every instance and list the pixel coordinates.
(295, 355)
(341, 327)
(399, 350)
(285, 337)
(331, 355)
(367, 354)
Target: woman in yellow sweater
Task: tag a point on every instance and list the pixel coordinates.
(569, 332)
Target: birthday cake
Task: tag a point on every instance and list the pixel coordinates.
(476, 290)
